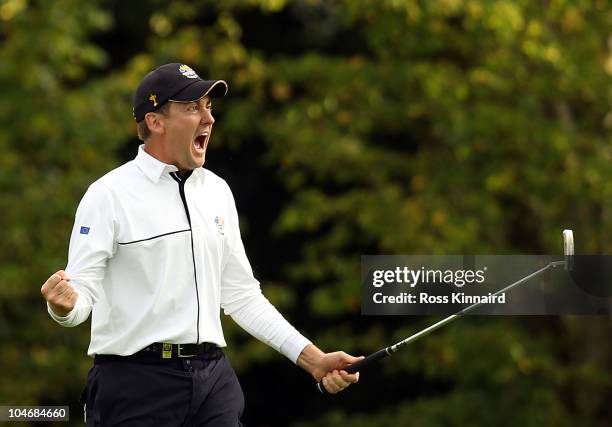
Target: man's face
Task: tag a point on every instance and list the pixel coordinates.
(187, 130)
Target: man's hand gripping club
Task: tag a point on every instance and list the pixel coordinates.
(328, 367)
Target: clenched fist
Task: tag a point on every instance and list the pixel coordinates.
(59, 294)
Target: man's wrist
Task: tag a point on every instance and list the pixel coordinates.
(310, 360)
(59, 312)
(56, 316)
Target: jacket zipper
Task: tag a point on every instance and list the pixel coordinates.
(181, 183)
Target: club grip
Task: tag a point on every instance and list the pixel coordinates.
(358, 366)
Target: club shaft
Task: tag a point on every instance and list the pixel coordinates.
(387, 351)
(447, 320)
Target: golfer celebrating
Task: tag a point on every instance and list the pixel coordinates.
(155, 253)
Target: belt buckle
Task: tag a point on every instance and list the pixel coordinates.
(166, 350)
(180, 354)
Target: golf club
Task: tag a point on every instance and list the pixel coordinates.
(568, 250)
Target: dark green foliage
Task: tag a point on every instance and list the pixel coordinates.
(351, 127)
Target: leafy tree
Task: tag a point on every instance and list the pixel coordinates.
(352, 127)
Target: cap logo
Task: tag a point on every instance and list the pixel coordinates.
(153, 98)
(187, 72)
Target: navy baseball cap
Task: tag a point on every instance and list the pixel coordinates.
(173, 82)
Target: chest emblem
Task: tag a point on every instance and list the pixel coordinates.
(220, 223)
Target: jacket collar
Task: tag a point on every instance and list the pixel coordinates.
(155, 169)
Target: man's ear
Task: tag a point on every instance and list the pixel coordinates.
(155, 123)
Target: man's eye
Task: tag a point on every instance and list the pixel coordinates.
(193, 107)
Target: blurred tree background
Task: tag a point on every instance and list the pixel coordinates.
(351, 127)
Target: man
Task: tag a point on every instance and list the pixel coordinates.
(155, 253)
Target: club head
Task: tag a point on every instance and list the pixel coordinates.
(568, 249)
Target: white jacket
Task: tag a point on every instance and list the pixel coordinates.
(154, 258)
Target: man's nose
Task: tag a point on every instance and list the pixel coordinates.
(207, 117)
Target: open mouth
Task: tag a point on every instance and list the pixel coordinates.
(200, 142)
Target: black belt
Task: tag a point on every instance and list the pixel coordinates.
(164, 351)
(169, 351)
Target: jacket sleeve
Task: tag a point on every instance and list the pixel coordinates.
(92, 243)
(242, 299)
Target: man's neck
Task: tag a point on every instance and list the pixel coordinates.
(153, 150)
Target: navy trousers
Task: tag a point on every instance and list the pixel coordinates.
(195, 392)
